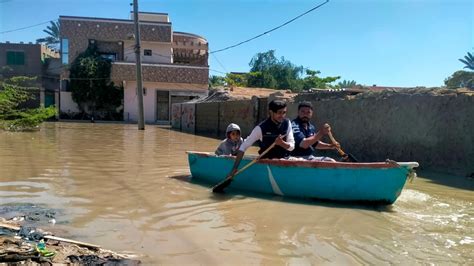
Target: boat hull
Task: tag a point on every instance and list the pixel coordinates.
(372, 182)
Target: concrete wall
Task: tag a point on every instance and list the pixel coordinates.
(435, 130)
(212, 118)
(207, 118)
(149, 99)
(161, 52)
(188, 116)
(243, 113)
(67, 104)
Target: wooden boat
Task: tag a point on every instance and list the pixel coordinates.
(378, 182)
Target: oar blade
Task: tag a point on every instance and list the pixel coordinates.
(219, 188)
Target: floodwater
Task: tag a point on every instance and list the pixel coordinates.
(128, 191)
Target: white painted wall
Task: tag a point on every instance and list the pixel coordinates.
(130, 110)
(157, 17)
(67, 104)
(161, 52)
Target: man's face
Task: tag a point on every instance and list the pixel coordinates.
(279, 115)
(305, 114)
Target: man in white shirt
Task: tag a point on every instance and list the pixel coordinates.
(275, 129)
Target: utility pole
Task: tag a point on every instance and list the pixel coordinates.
(141, 122)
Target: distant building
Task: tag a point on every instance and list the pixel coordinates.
(174, 64)
(33, 60)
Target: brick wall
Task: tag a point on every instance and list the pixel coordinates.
(155, 73)
(80, 30)
(207, 118)
(33, 63)
(434, 130)
(242, 113)
(111, 47)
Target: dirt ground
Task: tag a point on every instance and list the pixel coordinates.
(248, 93)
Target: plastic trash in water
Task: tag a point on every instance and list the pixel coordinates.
(41, 248)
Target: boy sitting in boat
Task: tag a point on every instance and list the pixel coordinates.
(306, 137)
(231, 144)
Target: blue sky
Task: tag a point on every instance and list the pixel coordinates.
(383, 42)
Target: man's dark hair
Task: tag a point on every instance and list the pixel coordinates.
(305, 104)
(276, 105)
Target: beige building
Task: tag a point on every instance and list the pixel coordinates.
(33, 60)
(174, 64)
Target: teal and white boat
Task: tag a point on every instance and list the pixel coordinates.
(379, 182)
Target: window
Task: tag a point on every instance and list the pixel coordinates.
(65, 51)
(147, 52)
(110, 56)
(15, 58)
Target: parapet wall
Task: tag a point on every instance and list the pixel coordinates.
(436, 130)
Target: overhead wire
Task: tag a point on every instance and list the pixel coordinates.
(27, 27)
(268, 31)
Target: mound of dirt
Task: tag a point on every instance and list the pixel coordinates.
(242, 93)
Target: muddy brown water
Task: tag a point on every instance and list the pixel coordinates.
(127, 190)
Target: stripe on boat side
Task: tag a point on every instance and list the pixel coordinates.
(275, 187)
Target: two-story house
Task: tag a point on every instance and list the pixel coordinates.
(174, 64)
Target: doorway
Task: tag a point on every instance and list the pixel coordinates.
(162, 105)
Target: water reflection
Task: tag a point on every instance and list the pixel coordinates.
(124, 189)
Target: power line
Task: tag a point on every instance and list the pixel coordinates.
(27, 27)
(219, 62)
(268, 31)
(217, 71)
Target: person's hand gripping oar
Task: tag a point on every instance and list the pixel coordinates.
(345, 156)
(219, 188)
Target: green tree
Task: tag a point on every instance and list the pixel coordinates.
(52, 40)
(347, 84)
(313, 81)
(267, 71)
(215, 81)
(468, 61)
(460, 79)
(260, 79)
(14, 92)
(236, 79)
(90, 83)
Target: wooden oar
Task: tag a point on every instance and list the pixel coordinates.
(346, 156)
(226, 182)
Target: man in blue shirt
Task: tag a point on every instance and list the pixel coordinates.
(306, 137)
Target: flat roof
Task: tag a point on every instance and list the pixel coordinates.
(111, 20)
(153, 13)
